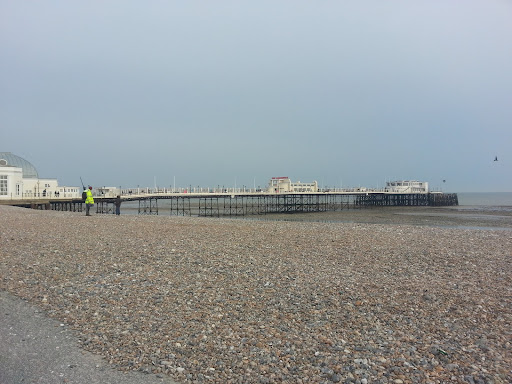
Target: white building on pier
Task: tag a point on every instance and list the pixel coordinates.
(285, 185)
(407, 186)
(19, 180)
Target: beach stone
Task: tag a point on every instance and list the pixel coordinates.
(236, 301)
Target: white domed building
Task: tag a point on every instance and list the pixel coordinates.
(19, 180)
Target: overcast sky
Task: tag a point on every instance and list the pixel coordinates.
(207, 93)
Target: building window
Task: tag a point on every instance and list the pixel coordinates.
(3, 185)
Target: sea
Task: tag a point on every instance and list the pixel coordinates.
(486, 200)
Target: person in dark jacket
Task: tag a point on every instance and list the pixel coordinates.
(117, 203)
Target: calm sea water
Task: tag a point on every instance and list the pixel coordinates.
(486, 200)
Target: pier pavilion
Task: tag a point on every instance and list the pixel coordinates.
(19, 180)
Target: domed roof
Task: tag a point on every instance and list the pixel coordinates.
(8, 159)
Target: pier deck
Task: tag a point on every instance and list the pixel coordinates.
(243, 204)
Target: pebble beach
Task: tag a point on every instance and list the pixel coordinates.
(208, 300)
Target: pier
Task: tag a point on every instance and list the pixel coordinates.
(62, 204)
(21, 186)
(246, 203)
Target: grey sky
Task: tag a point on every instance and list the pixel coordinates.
(212, 93)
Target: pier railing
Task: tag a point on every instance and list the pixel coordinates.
(407, 199)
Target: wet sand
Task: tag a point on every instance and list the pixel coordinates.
(458, 217)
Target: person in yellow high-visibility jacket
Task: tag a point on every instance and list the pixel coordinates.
(89, 201)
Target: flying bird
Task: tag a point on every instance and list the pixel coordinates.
(496, 158)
